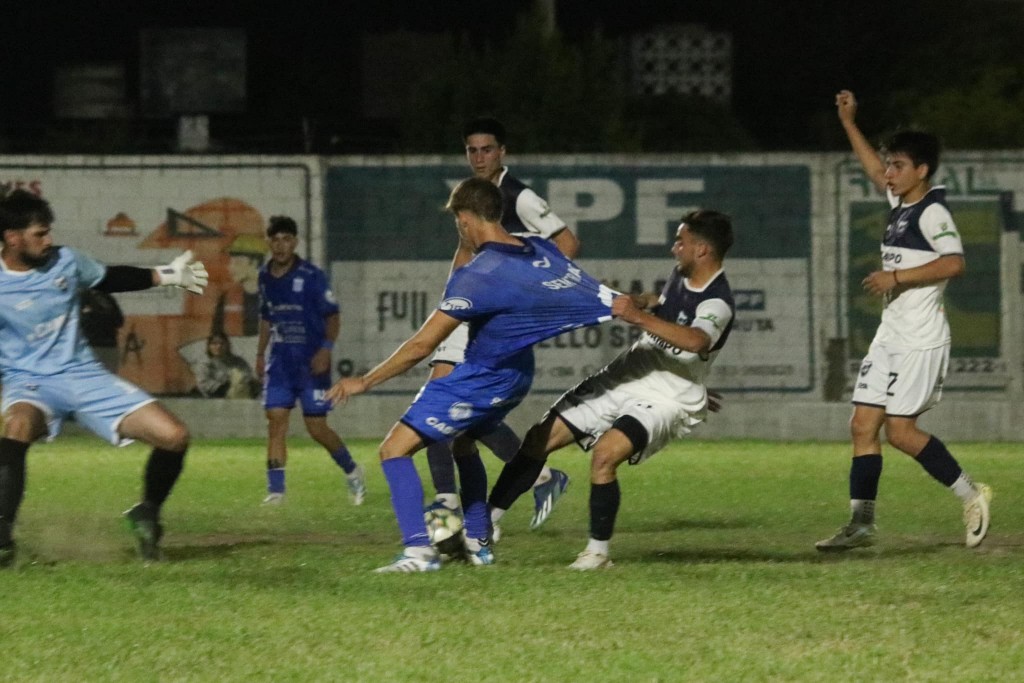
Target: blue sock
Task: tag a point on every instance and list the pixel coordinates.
(407, 500)
(275, 480)
(344, 459)
(473, 478)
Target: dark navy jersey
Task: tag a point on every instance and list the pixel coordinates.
(296, 305)
(515, 296)
(681, 305)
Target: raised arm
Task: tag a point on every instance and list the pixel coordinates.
(184, 272)
(435, 330)
(870, 161)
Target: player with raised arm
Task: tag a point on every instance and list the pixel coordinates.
(650, 393)
(524, 213)
(901, 377)
(299, 322)
(50, 373)
(514, 292)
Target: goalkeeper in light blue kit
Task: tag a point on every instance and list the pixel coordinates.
(50, 373)
(515, 292)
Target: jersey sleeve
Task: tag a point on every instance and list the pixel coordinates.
(261, 281)
(90, 271)
(326, 303)
(468, 296)
(536, 215)
(713, 316)
(938, 228)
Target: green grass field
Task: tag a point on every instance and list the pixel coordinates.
(716, 577)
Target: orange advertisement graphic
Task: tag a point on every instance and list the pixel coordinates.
(226, 234)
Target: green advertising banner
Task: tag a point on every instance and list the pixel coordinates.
(390, 246)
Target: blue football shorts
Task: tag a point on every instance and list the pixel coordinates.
(284, 383)
(471, 400)
(98, 399)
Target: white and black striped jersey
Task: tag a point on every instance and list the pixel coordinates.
(671, 372)
(916, 234)
(523, 211)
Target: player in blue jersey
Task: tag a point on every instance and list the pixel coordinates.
(524, 213)
(299, 322)
(902, 375)
(650, 393)
(50, 373)
(514, 292)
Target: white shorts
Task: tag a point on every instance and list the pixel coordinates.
(595, 403)
(906, 382)
(453, 349)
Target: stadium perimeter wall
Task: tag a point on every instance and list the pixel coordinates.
(807, 228)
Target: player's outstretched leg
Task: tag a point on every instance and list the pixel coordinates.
(162, 471)
(143, 523)
(546, 494)
(12, 490)
(407, 502)
(604, 508)
(865, 472)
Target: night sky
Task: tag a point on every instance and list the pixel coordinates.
(789, 56)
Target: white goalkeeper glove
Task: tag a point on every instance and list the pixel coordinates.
(184, 272)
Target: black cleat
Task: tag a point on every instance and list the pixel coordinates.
(8, 549)
(7, 554)
(143, 524)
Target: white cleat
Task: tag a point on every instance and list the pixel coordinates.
(588, 560)
(848, 537)
(356, 485)
(410, 564)
(976, 516)
(273, 499)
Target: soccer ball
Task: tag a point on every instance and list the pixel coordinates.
(444, 526)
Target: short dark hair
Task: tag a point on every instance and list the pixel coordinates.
(280, 224)
(713, 227)
(484, 125)
(21, 208)
(477, 196)
(920, 147)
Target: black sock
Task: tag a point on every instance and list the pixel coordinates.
(502, 441)
(516, 478)
(162, 472)
(442, 466)
(12, 477)
(865, 471)
(604, 508)
(937, 461)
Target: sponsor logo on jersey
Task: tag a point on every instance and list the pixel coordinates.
(297, 284)
(711, 318)
(329, 296)
(61, 283)
(460, 411)
(865, 368)
(456, 303)
(542, 263)
(682, 318)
